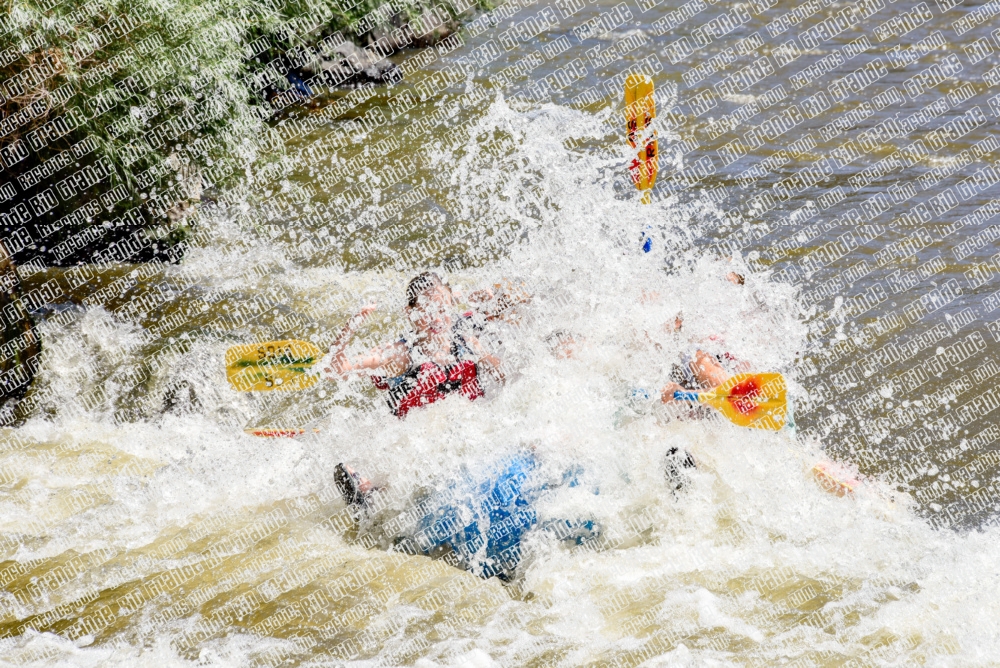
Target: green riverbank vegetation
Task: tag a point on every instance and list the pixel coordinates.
(118, 115)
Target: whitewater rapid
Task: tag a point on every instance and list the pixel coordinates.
(751, 563)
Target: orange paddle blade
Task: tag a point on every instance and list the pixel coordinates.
(755, 400)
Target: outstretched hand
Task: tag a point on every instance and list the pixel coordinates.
(357, 320)
(339, 363)
(481, 296)
(667, 394)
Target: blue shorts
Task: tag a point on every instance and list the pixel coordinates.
(478, 522)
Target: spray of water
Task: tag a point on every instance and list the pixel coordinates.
(750, 558)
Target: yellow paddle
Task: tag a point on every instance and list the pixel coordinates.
(755, 400)
(640, 110)
(272, 365)
(287, 365)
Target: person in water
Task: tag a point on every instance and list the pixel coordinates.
(441, 357)
(475, 522)
(699, 370)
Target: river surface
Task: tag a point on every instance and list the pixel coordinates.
(140, 525)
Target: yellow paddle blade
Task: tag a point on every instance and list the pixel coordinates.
(272, 365)
(755, 400)
(640, 110)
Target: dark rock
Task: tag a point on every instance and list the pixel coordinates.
(398, 33)
(152, 231)
(344, 63)
(341, 62)
(19, 344)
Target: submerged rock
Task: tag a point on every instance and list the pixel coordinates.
(339, 61)
(19, 344)
(344, 63)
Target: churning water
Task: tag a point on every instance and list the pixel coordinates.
(139, 524)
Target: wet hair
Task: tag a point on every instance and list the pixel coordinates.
(559, 336)
(562, 343)
(418, 285)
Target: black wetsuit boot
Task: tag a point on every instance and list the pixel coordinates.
(676, 461)
(347, 484)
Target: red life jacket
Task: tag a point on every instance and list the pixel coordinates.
(429, 383)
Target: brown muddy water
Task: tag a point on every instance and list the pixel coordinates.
(846, 173)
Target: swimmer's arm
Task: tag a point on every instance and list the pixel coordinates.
(498, 304)
(667, 393)
(481, 297)
(707, 371)
(393, 359)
